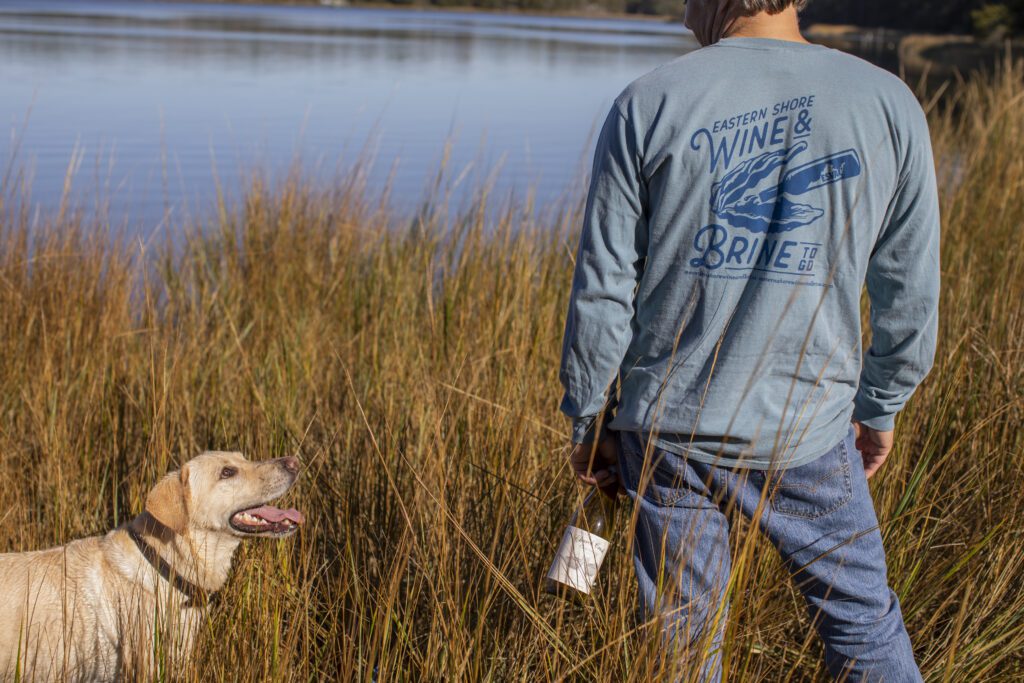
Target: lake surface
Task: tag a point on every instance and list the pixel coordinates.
(159, 100)
(156, 102)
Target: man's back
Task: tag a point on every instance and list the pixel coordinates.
(741, 195)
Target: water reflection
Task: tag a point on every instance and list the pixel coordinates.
(155, 95)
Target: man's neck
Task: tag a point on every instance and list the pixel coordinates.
(782, 26)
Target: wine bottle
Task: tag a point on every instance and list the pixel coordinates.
(584, 546)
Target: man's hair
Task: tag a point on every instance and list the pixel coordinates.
(771, 6)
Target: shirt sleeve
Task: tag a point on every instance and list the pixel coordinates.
(903, 288)
(598, 326)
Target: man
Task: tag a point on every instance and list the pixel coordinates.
(742, 195)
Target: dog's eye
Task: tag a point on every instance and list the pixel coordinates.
(228, 472)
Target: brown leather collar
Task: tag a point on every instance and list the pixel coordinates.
(195, 596)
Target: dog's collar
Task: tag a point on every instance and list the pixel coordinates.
(195, 596)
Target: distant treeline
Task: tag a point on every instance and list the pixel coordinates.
(940, 16)
(658, 7)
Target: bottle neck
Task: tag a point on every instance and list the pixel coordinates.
(597, 513)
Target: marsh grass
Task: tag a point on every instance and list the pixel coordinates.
(412, 363)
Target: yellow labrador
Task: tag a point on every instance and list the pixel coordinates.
(92, 610)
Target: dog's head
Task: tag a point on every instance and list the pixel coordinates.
(223, 492)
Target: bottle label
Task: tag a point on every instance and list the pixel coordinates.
(578, 559)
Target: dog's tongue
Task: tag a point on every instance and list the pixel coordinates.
(273, 514)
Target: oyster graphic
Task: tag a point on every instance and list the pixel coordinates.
(738, 200)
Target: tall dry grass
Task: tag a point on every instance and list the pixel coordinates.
(413, 365)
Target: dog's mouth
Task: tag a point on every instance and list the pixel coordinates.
(267, 520)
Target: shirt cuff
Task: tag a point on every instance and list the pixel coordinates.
(872, 414)
(583, 429)
(882, 423)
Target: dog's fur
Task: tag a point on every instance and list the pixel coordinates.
(90, 610)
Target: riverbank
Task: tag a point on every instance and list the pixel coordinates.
(591, 12)
(940, 56)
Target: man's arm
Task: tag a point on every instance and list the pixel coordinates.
(903, 286)
(612, 245)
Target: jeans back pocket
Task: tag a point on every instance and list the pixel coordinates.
(815, 489)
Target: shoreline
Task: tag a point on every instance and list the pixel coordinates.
(843, 36)
(593, 13)
(941, 56)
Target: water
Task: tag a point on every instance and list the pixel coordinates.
(162, 100)
(156, 105)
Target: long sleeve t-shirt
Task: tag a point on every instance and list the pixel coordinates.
(742, 196)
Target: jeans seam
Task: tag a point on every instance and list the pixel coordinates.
(652, 496)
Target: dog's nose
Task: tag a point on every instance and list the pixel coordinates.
(291, 463)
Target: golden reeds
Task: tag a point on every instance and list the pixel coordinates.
(413, 365)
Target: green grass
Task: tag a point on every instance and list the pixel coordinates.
(413, 365)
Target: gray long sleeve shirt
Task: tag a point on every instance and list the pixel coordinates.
(742, 195)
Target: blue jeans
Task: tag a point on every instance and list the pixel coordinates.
(821, 519)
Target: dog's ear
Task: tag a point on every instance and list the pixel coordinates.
(168, 501)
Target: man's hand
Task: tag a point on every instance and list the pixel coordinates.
(597, 464)
(874, 447)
